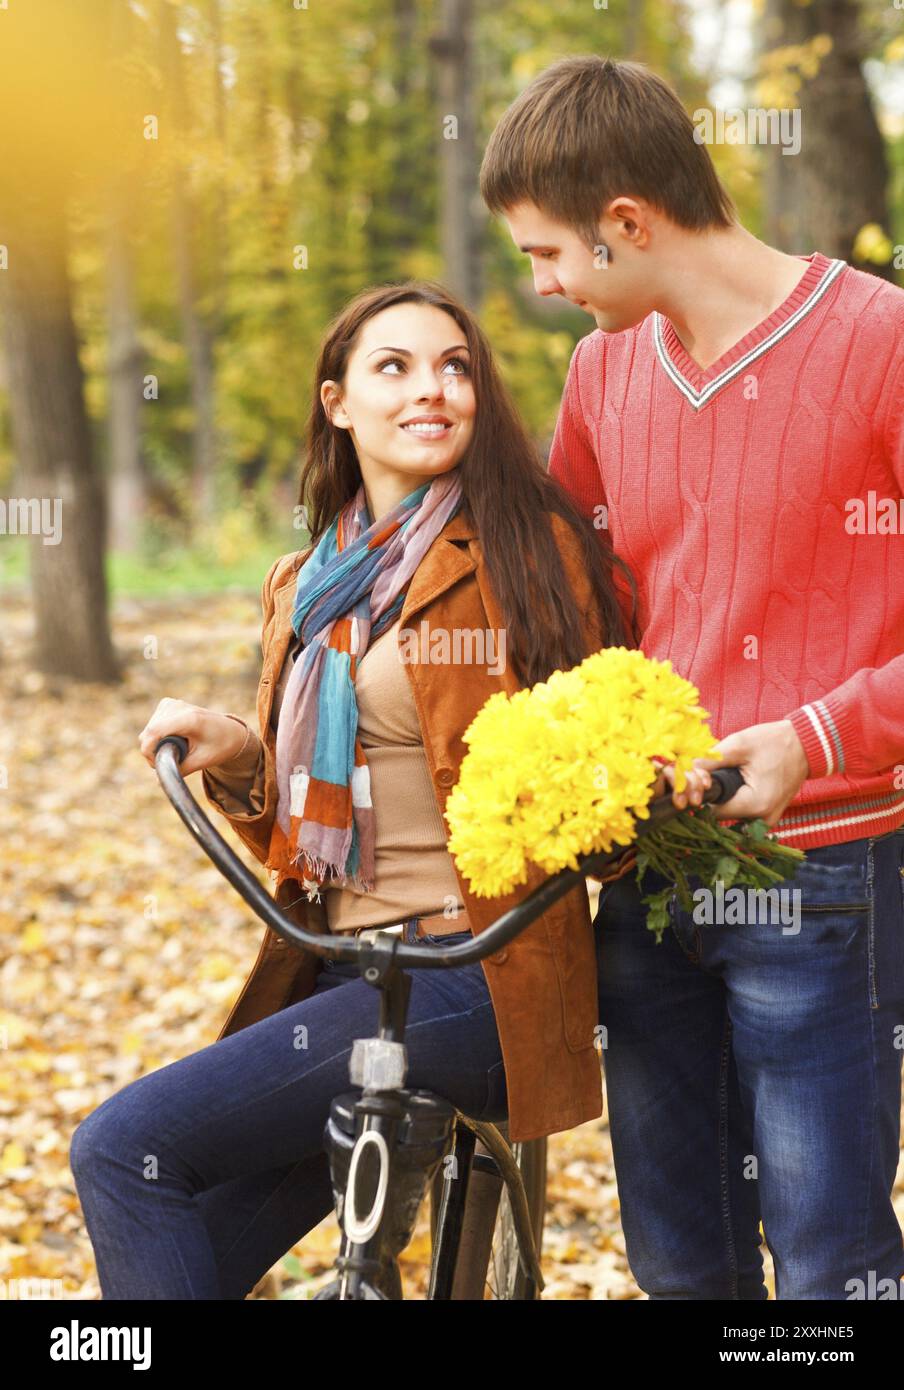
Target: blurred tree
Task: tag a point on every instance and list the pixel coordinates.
(300, 156)
(812, 61)
(461, 222)
(52, 438)
(178, 134)
(53, 124)
(127, 493)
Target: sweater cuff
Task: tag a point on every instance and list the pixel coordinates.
(818, 729)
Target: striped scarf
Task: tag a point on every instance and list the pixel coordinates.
(350, 589)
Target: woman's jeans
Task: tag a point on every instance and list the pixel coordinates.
(196, 1178)
(753, 1073)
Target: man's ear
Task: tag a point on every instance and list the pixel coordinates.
(632, 218)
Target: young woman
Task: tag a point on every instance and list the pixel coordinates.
(445, 565)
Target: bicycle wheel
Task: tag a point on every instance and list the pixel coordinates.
(506, 1278)
(487, 1262)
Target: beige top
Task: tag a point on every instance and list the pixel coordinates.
(414, 872)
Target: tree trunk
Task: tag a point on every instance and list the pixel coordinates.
(402, 196)
(218, 224)
(126, 475)
(460, 221)
(52, 441)
(198, 339)
(820, 198)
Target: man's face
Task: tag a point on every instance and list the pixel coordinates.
(606, 282)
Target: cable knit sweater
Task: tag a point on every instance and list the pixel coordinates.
(757, 503)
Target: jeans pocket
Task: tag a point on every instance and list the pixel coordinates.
(832, 878)
(826, 901)
(447, 939)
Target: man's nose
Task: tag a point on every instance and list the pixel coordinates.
(545, 281)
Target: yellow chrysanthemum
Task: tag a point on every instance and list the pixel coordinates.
(564, 768)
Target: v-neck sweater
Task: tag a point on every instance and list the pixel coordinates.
(758, 504)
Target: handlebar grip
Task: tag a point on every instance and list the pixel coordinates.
(181, 745)
(726, 782)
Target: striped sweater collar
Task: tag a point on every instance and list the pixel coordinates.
(699, 387)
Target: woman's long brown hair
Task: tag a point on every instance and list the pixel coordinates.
(507, 496)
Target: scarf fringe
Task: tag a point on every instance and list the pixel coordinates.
(321, 869)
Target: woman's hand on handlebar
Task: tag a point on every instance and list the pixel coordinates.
(213, 738)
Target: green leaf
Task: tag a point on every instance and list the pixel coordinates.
(727, 868)
(658, 914)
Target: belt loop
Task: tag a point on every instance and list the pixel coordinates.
(410, 932)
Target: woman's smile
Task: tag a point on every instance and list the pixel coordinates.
(428, 427)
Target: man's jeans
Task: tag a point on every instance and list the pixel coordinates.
(753, 1073)
(197, 1177)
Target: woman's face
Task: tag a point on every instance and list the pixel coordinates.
(407, 399)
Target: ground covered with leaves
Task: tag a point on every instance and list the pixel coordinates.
(123, 949)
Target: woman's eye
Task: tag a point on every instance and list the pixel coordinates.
(397, 362)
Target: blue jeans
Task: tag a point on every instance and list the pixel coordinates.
(196, 1178)
(753, 1073)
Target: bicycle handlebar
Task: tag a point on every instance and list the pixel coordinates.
(171, 751)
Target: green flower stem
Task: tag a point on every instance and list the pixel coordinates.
(695, 844)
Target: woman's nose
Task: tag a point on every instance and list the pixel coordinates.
(431, 387)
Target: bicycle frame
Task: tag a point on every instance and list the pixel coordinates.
(369, 1127)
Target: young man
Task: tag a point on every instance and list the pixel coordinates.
(738, 424)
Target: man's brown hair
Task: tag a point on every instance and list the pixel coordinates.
(588, 129)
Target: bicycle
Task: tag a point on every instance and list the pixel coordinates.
(386, 1143)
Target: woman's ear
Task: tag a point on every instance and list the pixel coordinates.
(331, 400)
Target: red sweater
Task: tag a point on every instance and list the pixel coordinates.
(757, 504)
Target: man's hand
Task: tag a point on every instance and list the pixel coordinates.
(772, 762)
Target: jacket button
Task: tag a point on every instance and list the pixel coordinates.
(445, 776)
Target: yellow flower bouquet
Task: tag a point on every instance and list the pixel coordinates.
(565, 768)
